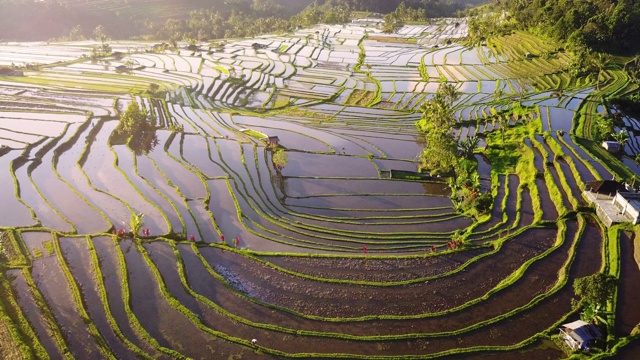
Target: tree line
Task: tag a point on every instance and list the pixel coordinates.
(26, 20)
(602, 25)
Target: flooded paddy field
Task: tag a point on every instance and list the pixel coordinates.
(274, 194)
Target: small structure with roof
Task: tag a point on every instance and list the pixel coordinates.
(609, 187)
(628, 204)
(272, 140)
(368, 22)
(614, 202)
(611, 146)
(578, 335)
(257, 46)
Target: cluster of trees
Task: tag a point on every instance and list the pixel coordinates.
(26, 20)
(604, 25)
(485, 26)
(135, 129)
(443, 154)
(428, 8)
(594, 292)
(437, 121)
(254, 20)
(604, 129)
(400, 15)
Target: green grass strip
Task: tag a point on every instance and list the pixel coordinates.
(79, 302)
(105, 303)
(53, 327)
(133, 319)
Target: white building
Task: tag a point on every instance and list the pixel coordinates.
(629, 205)
(578, 334)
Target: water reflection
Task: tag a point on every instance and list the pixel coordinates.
(144, 141)
(141, 140)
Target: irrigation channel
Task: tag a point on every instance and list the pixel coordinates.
(324, 256)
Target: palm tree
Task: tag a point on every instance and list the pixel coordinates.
(593, 314)
(621, 137)
(468, 146)
(448, 92)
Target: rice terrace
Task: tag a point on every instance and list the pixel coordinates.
(335, 191)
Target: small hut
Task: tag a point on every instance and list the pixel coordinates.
(578, 335)
(607, 187)
(273, 141)
(611, 146)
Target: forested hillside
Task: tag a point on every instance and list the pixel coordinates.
(607, 25)
(26, 20)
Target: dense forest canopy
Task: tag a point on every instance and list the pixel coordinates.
(605, 25)
(28, 20)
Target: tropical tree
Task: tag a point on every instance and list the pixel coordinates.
(133, 117)
(448, 92)
(502, 121)
(592, 314)
(391, 23)
(621, 137)
(468, 146)
(129, 65)
(440, 153)
(632, 68)
(135, 223)
(602, 128)
(436, 113)
(280, 159)
(76, 34)
(595, 289)
(594, 292)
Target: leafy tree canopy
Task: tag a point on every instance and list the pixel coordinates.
(26, 20)
(595, 289)
(604, 25)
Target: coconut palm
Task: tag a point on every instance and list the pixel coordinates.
(468, 146)
(621, 137)
(448, 92)
(593, 314)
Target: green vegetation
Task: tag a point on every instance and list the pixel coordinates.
(195, 20)
(602, 25)
(136, 129)
(135, 223)
(596, 289)
(313, 244)
(280, 159)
